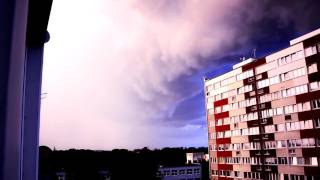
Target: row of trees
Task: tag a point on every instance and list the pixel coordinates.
(121, 163)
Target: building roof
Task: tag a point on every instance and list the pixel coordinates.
(304, 37)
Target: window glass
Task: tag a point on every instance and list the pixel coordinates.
(312, 68)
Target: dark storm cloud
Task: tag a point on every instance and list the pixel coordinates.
(137, 66)
(268, 26)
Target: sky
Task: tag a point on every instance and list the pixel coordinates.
(129, 73)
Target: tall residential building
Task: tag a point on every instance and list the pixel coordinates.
(264, 115)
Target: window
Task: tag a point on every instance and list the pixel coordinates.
(270, 144)
(308, 142)
(246, 146)
(219, 122)
(220, 134)
(292, 151)
(281, 144)
(226, 121)
(211, 124)
(245, 174)
(217, 97)
(273, 112)
(271, 160)
(244, 75)
(174, 172)
(217, 85)
(289, 58)
(293, 74)
(225, 108)
(281, 127)
(253, 108)
(214, 172)
(270, 129)
(209, 88)
(317, 123)
(210, 111)
(166, 173)
(189, 171)
(210, 100)
(282, 160)
(254, 130)
(232, 93)
(297, 108)
(182, 171)
(227, 134)
(213, 135)
(234, 105)
(312, 68)
(236, 132)
(224, 95)
(315, 104)
(228, 81)
(196, 171)
(244, 89)
(259, 76)
(295, 90)
(218, 109)
(311, 50)
(299, 125)
(274, 80)
(314, 86)
(244, 132)
(308, 161)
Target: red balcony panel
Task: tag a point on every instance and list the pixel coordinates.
(224, 153)
(312, 171)
(311, 152)
(223, 140)
(306, 115)
(220, 102)
(225, 167)
(222, 128)
(308, 96)
(310, 133)
(221, 115)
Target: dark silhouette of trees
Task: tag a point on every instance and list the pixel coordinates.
(121, 163)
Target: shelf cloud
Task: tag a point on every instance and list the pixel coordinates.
(128, 74)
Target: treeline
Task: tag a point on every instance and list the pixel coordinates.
(121, 163)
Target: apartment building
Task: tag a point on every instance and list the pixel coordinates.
(186, 172)
(264, 115)
(196, 157)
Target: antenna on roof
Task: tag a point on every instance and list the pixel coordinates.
(254, 52)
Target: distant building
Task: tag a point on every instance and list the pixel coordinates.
(196, 168)
(187, 172)
(196, 157)
(264, 115)
(61, 175)
(104, 175)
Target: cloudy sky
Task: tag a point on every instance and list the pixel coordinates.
(128, 73)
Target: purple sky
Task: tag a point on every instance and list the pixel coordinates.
(128, 73)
